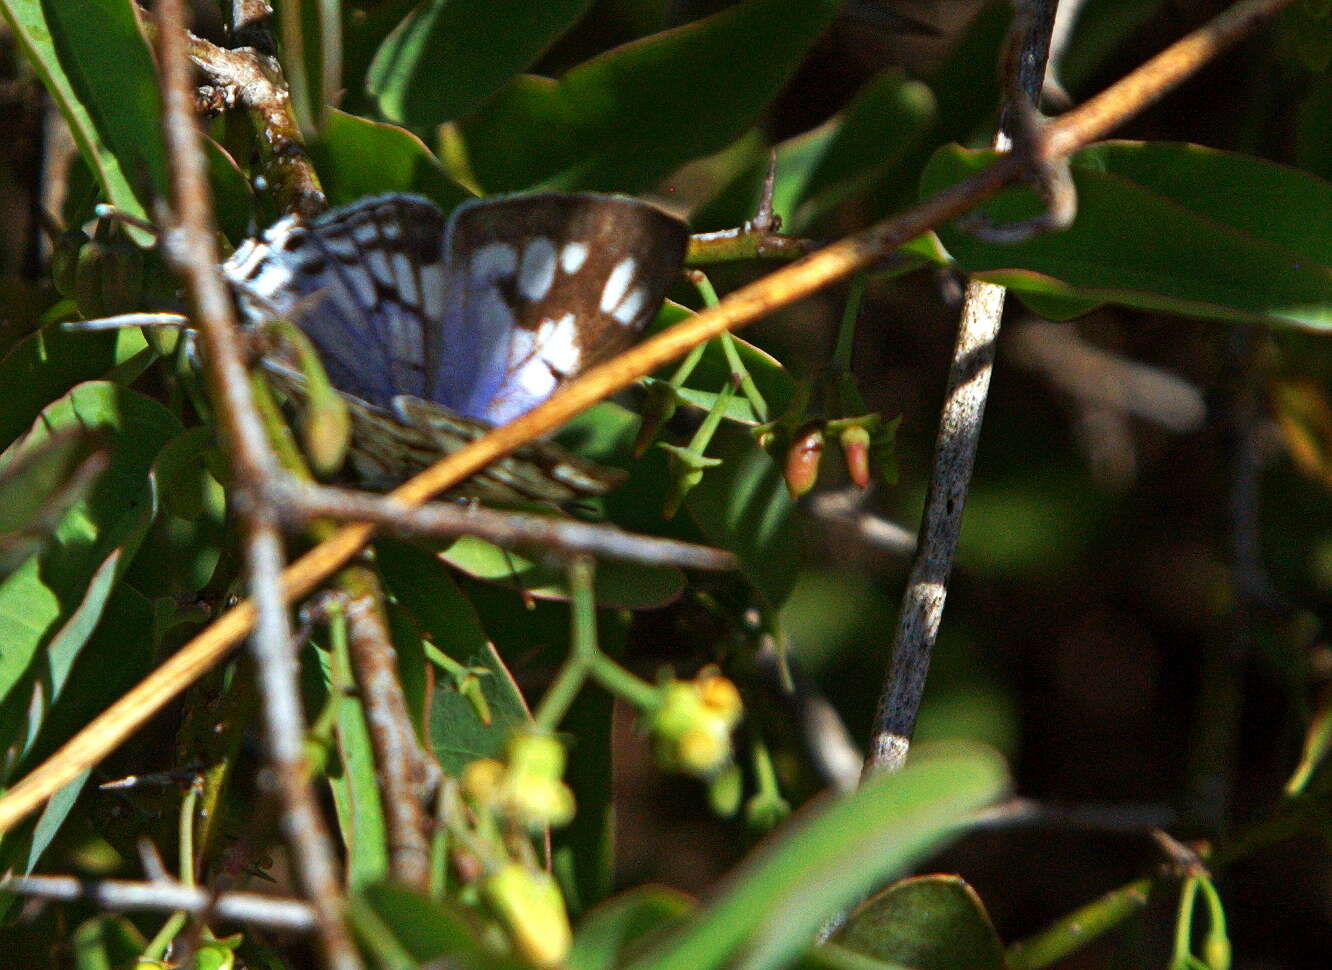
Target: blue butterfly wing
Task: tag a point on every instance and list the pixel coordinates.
(364, 282)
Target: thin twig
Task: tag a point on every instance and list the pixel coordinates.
(167, 895)
(954, 453)
(561, 536)
(780, 288)
(406, 778)
(190, 247)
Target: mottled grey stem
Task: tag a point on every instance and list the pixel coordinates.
(955, 448)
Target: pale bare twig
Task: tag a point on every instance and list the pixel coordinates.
(780, 288)
(167, 895)
(955, 446)
(560, 536)
(189, 244)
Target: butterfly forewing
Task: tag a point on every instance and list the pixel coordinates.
(436, 331)
(541, 288)
(362, 282)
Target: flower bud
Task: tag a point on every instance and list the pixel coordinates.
(802, 460)
(856, 450)
(692, 724)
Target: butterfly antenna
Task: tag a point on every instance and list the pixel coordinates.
(122, 321)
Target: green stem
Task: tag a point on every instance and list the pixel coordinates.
(1180, 957)
(583, 634)
(616, 680)
(739, 371)
(1075, 930)
(846, 332)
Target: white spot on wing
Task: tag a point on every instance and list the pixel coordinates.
(538, 268)
(630, 308)
(402, 271)
(558, 340)
(341, 246)
(617, 283)
(572, 257)
(493, 261)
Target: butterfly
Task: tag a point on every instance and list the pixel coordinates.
(435, 330)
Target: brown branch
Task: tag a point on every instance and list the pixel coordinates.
(252, 79)
(780, 288)
(167, 895)
(406, 777)
(189, 245)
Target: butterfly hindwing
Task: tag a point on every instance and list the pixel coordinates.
(541, 287)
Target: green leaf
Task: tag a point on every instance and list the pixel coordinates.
(1168, 227)
(743, 505)
(46, 364)
(83, 51)
(828, 856)
(448, 55)
(819, 170)
(105, 942)
(40, 487)
(929, 923)
(358, 157)
(423, 586)
(627, 118)
(405, 930)
(118, 654)
(184, 545)
(610, 931)
(51, 604)
(627, 585)
(352, 780)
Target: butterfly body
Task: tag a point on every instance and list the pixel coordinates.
(435, 330)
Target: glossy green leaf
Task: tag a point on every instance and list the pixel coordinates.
(448, 55)
(46, 364)
(82, 51)
(185, 544)
(405, 930)
(119, 652)
(826, 857)
(609, 933)
(51, 604)
(352, 780)
(40, 487)
(743, 505)
(1168, 227)
(624, 120)
(358, 157)
(458, 735)
(929, 923)
(830, 165)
